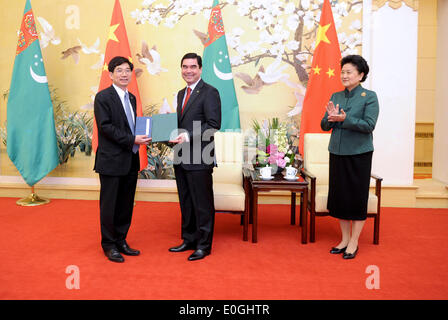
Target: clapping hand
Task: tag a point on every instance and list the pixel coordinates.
(333, 113)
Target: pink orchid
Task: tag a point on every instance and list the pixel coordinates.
(272, 149)
(281, 163)
(276, 157)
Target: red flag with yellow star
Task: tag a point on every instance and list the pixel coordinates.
(118, 45)
(324, 77)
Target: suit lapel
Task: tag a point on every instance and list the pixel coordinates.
(133, 104)
(180, 97)
(193, 97)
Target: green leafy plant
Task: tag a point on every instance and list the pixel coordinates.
(73, 129)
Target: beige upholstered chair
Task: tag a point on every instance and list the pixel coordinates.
(315, 170)
(228, 182)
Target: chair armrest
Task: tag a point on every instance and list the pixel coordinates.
(312, 197)
(378, 181)
(247, 175)
(246, 172)
(306, 174)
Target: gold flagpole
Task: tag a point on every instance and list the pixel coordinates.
(32, 200)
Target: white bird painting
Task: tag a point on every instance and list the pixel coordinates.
(274, 73)
(300, 96)
(48, 35)
(165, 108)
(92, 49)
(151, 59)
(99, 64)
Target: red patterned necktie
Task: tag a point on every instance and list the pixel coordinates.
(186, 99)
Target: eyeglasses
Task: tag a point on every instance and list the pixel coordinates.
(121, 71)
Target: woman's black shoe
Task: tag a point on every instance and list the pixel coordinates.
(350, 255)
(337, 250)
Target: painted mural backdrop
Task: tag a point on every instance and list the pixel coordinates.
(270, 50)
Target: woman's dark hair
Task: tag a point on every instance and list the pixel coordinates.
(192, 55)
(118, 61)
(359, 62)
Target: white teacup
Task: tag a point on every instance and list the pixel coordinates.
(265, 172)
(291, 172)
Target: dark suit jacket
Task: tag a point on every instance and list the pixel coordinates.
(115, 139)
(204, 109)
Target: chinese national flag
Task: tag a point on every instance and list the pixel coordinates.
(118, 45)
(324, 77)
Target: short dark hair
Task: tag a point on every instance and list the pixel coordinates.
(192, 55)
(359, 62)
(118, 61)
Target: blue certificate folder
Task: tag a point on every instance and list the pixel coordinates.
(143, 126)
(160, 127)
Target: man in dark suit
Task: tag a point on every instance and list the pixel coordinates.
(117, 160)
(199, 117)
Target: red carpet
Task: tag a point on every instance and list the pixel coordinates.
(38, 243)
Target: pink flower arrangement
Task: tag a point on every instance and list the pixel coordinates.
(276, 157)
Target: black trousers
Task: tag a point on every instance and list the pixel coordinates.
(116, 205)
(195, 189)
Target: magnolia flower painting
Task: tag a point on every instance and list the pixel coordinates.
(278, 35)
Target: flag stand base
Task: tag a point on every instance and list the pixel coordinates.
(32, 200)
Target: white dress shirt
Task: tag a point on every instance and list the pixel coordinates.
(121, 94)
(192, 89)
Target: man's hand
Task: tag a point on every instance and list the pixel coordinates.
(142, 139)
(183, 137)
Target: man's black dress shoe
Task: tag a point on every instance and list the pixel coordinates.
(350, 255)
(114, 255)
(335, 250)
(183, 247)
(198, 254)
(125, 249)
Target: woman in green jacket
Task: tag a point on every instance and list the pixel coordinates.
(351, 115)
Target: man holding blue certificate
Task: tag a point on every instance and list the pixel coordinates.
(117, 160)
(199, 117)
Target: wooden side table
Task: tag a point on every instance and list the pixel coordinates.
(279, 183)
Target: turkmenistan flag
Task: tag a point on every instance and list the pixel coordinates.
(31, 140)
(217, 71)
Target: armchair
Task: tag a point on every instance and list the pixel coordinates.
(229, 184)
(315, 171)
